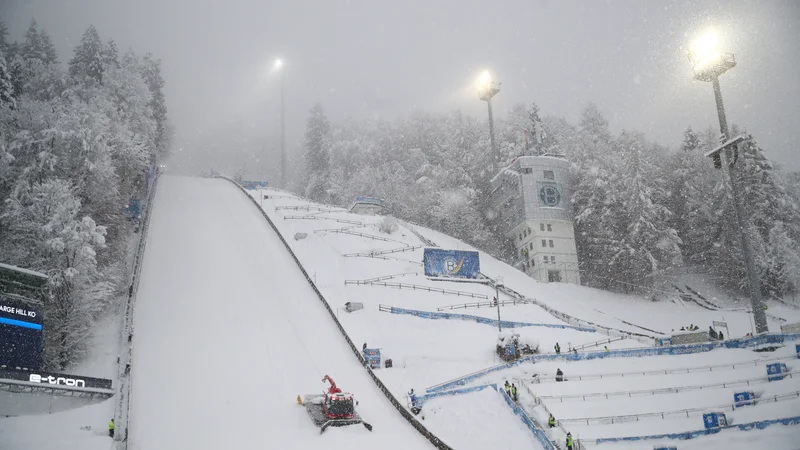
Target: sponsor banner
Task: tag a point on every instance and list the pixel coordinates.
(451, 263)
(55, 379)
(20, 334)
(252, 185)
(370, 200)
(373, 357)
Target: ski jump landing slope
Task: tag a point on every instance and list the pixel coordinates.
(228, 332)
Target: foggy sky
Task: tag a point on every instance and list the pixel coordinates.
(386, 58)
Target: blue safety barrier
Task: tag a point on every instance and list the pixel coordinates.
(715, 420)
(693, 434)
(537, 432)
(420, 399)
(797, 350)
(483, 320)
(743, 399)
(665, 448)
(776, 371)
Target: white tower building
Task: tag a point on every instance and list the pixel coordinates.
(532, 198)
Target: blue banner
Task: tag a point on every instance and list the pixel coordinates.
(370, 200)
(373, 357)
(451, 263)
(252, 185)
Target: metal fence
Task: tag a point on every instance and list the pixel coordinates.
(669, 390)
(383, 252)
(599, 343)
(415, 287)
(489, 304)
(433, 439)
(126, 361)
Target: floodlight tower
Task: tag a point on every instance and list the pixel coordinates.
(488, 88)
(708, 63)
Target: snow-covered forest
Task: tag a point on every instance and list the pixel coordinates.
(642, 210)
(75, 140)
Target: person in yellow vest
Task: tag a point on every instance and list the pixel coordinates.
(551, 422)
(111, 429)
(569, 441)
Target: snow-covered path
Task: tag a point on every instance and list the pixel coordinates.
(228, 333)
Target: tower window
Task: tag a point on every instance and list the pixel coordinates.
(544, 242)
(531, 245)
(550, 242)
(548, 175)
(545, 259)
(541, 226)
(553, 259)
(549, 227)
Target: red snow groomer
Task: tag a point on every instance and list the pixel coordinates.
(333, 408)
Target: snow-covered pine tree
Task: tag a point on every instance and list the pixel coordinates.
(88, 58)
(150, 69)
(317, 141)
(6, 88)
(48, 236)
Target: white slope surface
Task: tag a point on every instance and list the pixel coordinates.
(228, 333)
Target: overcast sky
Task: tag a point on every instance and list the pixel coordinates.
(376, 58)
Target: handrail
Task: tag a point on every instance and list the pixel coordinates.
(598, 343)
(433, 439)
(364, 235)
(669, 390)
(415, 287)
(682, 412)
(384, 252)
(489, 304)
(707, 368)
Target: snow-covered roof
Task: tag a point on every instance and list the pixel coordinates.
(21, 270)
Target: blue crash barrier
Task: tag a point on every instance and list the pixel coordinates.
(484, 320)
(693, 434)
(420, 399)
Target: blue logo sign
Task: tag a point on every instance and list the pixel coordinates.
(451, 263)
(373, 357)
(253, 185)
(549, 194)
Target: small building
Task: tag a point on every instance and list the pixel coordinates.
(531, 197)
(367, 206)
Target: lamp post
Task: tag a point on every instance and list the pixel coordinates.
(497, 285)
(278, 68)
(488, 88)
(708, 63)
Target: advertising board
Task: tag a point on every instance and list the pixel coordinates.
(20, 334)
(451, 263)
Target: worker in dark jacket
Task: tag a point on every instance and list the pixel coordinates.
(559, 375)
(551, 422)
(558, 348)
(111, 429)
(569, 441)
(514, 392)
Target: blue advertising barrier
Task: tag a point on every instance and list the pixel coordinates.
(776, 371)
(483, 320)
(369, 200)
(693, 434)
(797, 350)
(715, 420)
(373, 357)
(252, 185)
(743, 399)
(451, 263)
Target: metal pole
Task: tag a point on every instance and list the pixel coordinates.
(491, 130)
(754, 287)
(497, 302)
(283, 138)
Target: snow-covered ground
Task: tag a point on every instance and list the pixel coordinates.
(228, 333)
(426, 352)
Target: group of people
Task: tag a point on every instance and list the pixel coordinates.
(511, 391)
(713, 334)
(551, 422)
